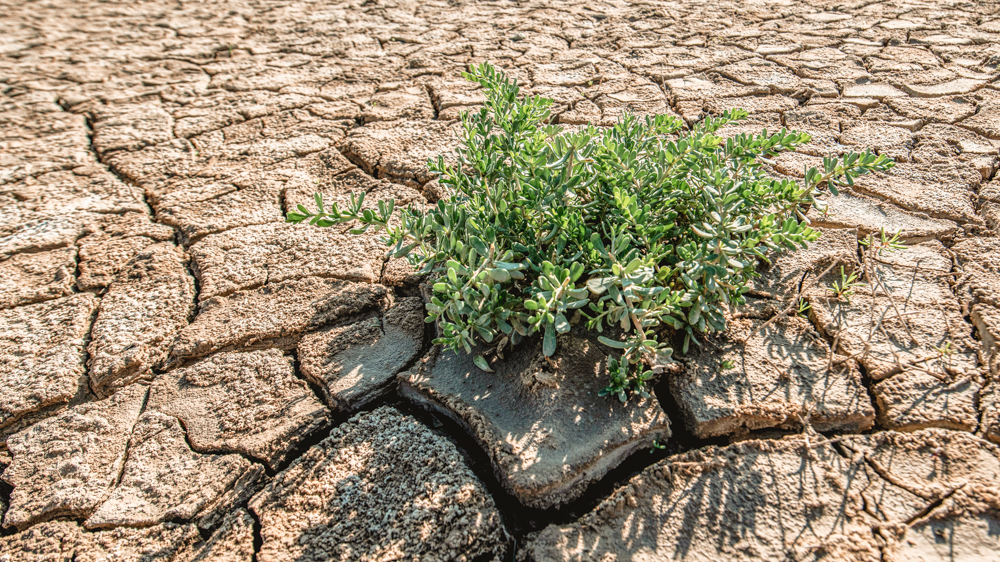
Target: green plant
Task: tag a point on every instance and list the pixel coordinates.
(844, 288)
(642, 228)
(945, 349)
(884, 243)
(804, 307)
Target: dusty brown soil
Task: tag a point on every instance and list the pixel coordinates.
(186, 377)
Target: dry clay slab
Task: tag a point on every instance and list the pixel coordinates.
(381, 487)
(871, 497)
(546, 429)
(66, 541)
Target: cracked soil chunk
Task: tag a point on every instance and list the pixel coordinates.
(131, 126)
(381, 487)
(978, 261)
(950, 88)
(45, 141)
(911, 472)
(544, 426)
(986, 121)
(40, 234)
(702, 87)
(67, 465)
(354, 364)
(986, 319)
(938, 199)
(337, 189)
(399, 150)
(101, 260)
(942, 110)
(883, 138)
(792, 498)
(754, 500)
(87, 191)
(112, 243)
(989, 405)
(28, 278)
(779, 378)
(163, 543)
(66, 541)
(231, 542)
(143, 310)
(278, 311)
(915, 400)
(248, 257)
(760, 72)
(782, 278)
(950, 537)
(404, 103)
(52, 542)
(249, 483)
(163, 480)
(875, 323)
(249, 403)
(919, 326)
(870, 216)
(42, 354)
(212, 206)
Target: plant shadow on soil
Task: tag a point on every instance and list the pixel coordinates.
(518, 519)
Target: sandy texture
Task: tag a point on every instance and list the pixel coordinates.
(68, 465)
(248, 403)
(163, 480)
(381, 486)
(142, 312)
(42, 354)
(272, 312)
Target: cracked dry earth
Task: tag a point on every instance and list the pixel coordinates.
(186, 377)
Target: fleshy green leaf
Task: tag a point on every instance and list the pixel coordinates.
(549, 341)
(480, 362)
(612, 343)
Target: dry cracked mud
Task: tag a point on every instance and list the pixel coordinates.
(178, 364)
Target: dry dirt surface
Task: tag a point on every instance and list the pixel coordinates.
(184, 376)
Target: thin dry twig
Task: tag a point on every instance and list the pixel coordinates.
(802, 287)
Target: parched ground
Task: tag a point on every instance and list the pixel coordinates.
(185, 377)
